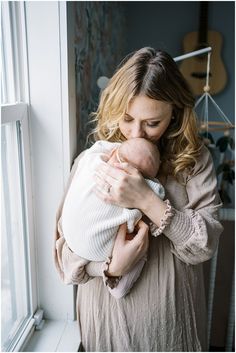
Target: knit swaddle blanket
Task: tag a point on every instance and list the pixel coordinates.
(89, 224)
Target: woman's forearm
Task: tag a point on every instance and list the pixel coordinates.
(153, 207)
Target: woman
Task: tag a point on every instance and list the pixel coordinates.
(165, 310)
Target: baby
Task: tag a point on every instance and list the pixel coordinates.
(89, 224)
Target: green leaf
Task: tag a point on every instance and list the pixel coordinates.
(222, 143)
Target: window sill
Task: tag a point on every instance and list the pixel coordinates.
(55, 336)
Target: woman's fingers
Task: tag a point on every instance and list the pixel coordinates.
(142, 229)
(126, 167)
(117, 171)
(141, 234)
(121, 234)
(109, 175)
(102, 179)
(125, 186)
(104, 189)
(108, 178)
(100, 182)
(102, 194)
(107, 170)
(126, 253)
(141, 238)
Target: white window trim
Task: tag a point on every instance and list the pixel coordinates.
(15, 90)
(53, 139)
(47, 80)
(12, 113)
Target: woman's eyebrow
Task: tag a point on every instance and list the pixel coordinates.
(154, 118)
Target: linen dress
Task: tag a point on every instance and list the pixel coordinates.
(165, 310)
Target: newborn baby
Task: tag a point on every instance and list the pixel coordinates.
(89, 224)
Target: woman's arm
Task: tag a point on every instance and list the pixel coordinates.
(76, 270)
(127, 281)
(194, 231)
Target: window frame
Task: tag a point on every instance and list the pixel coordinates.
(53, 137)
(36, 104)
(13, 113)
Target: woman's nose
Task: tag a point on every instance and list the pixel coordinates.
(137, 131)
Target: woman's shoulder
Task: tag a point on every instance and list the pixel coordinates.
(204, 163)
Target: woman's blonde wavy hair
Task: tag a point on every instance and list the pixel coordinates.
(152, 73)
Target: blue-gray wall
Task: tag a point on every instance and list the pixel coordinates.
(163, 25)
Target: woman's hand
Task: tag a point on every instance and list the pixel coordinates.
(126, 253)
(122, 185)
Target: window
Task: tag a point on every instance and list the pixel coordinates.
(38, 110)
(17, 280)
(16, 299)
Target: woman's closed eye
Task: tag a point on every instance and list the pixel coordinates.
(128, 119)
(153, 123)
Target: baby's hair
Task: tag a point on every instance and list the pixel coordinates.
(150, 164)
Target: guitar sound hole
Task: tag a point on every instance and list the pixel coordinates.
(199, 75)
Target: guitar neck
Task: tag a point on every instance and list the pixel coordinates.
(203, 23)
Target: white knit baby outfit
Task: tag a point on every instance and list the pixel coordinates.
(89, 224)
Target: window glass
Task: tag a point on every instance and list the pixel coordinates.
(15, 304)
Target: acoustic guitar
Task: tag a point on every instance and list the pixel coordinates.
(194, 69)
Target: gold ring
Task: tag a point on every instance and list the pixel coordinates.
(107, 188)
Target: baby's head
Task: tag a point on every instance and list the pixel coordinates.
(142, 154)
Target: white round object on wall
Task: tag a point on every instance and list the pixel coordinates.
(102, 82)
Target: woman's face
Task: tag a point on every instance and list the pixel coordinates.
(147, 118)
